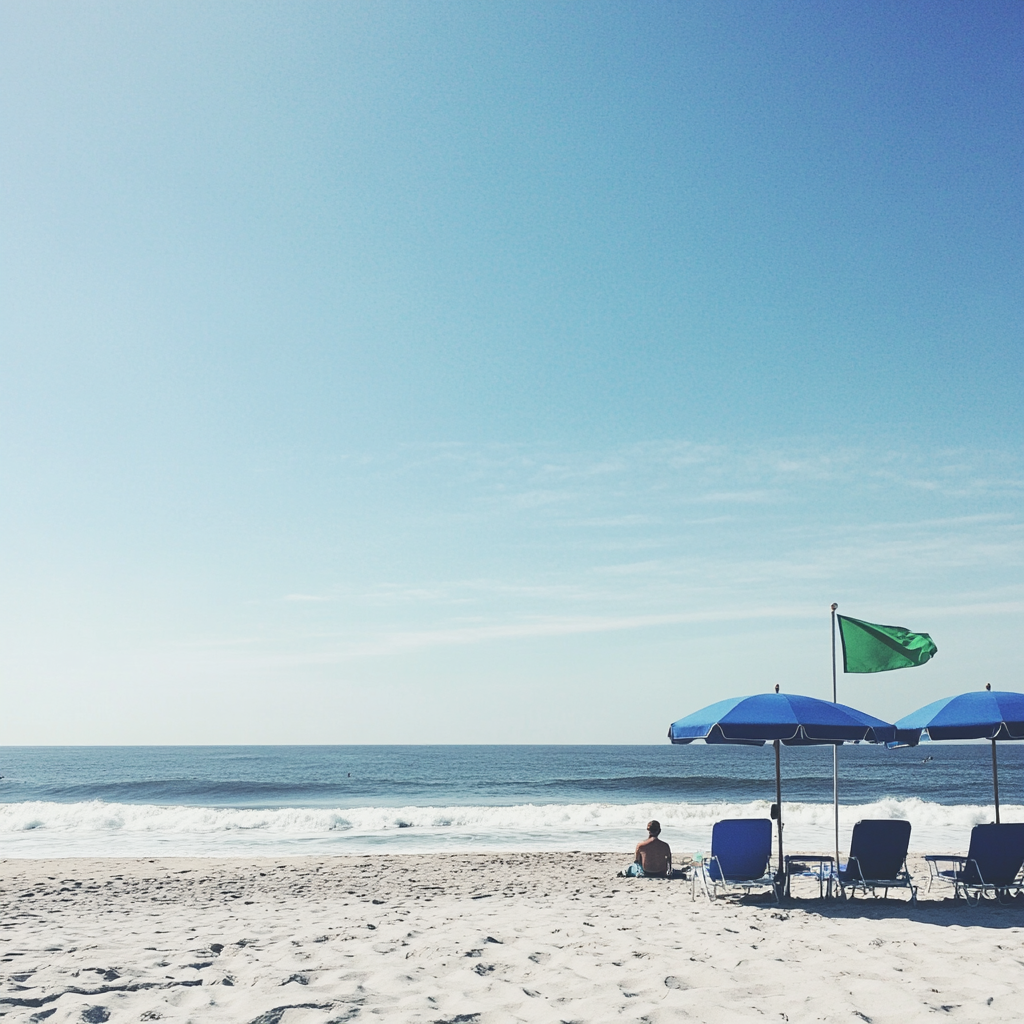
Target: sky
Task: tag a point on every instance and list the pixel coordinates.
(501, 373)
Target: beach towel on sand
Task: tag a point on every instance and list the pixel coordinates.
(636, 871)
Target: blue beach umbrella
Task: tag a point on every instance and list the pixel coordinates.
(780, 718)
(980, 715)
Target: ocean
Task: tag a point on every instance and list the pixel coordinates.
(279, 800)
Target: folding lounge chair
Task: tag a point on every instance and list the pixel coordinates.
(878, 859)
(991, 868)
(741, 849)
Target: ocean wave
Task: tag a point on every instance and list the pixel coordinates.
(102, 828)
(172, 791)
(246, 792)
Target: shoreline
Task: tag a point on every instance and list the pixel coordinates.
(476, 937)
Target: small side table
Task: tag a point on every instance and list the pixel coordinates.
(824, 884)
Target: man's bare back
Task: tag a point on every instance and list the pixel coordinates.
(653, 854)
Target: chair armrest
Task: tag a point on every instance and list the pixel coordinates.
(849, 869)
(977, 868)
(945, 856)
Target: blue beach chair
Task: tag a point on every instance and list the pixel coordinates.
(992, 866)
(741, 850)
(878, 859)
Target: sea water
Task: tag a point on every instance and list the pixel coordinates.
(279, 800)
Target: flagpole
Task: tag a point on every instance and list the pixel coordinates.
(835, 746)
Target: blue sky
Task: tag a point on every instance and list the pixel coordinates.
(478, 373)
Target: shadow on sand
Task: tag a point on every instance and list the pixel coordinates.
(990, 914)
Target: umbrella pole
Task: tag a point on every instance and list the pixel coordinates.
(835, 746)
(995, 779)
(778, 803)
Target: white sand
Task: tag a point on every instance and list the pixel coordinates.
(475, 937)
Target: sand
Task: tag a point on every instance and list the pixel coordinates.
(477, 938)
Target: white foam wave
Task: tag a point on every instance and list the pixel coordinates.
(96, 828)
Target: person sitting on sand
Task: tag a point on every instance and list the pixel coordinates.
(653, 856)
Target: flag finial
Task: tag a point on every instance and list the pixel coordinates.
(834, 606)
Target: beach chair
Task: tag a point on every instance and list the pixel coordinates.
(741, 851)
(878, 859)
(992, 866)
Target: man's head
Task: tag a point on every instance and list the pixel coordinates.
(653, 828)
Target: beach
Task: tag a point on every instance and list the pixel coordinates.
(477, 937)
(446, 445)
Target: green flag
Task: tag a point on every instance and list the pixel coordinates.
(871, 648)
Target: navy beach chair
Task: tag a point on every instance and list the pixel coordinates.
(741, 851)
(991, 868)
(878, 859)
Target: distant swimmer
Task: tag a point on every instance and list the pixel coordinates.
(925, 760)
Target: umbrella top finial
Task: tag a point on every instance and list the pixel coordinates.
(988, 686)
(776, 687)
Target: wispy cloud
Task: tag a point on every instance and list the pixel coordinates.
(535, 542)
(554, 626)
